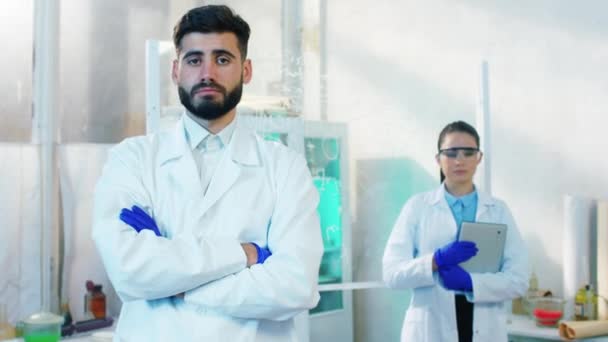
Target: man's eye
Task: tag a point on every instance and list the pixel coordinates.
(193, 61)
(223, 60)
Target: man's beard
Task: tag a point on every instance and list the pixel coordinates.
(208, 109)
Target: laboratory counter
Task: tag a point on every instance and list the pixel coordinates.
(520, 329)
(99, 335)
(523, 329)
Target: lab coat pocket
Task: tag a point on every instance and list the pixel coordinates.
(489, 322)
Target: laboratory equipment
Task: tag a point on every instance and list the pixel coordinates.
(42, 327)
(547, 311)
(93, 324)
(326, 151)
(6, 330)
(87, 325)
(585, 304)
(95, 301)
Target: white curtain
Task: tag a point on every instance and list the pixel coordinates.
(20, 230)
(80, 166)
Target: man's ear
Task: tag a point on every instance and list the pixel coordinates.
(175, 71)
(247, 71)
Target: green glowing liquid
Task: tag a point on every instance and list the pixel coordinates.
(42, 337)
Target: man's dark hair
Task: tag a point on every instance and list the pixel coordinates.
(212, 19)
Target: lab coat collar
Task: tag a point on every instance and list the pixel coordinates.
(242, 148)
(438, 196)
(177, 145)
(176, 154)
(195, 131)
(483, 200)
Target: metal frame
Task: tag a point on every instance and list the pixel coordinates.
(336, 325)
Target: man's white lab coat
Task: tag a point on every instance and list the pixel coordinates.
(261, 192)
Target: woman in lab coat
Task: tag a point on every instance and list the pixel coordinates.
(422, 254)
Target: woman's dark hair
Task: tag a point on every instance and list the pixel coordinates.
(212, 19)
(456, 126)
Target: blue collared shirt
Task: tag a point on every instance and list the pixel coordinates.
(464, 208)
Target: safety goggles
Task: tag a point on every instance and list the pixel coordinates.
(465, 152)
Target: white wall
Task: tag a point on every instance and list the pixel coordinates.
(400, 70)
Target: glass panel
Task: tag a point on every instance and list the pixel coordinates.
(16, 35)
(323, 158)
(330, 301)
(102, 58)
(279, 137)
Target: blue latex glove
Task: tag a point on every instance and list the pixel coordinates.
(455, 278)
(138, 219)
(263, 253)
(454, 253)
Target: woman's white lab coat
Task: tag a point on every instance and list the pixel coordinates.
(425, 224)
(262, 192)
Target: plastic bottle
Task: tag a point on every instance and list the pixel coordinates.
(579, 305)
(67, 315)
(589, 310)
(533, 283)
(531, 294)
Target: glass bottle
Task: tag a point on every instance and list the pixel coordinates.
(97, 302)
(6, 330)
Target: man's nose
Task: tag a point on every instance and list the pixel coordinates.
(208, 71)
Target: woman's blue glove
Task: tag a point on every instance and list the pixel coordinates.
(138, 219)
(263, 253)
(455, 278)
(454, 253)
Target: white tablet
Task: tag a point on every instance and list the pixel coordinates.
(490, 240)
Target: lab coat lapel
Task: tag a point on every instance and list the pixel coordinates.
(485, 202)
(225, 176)
(177, 157)
(242, 151)
(442, 209)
